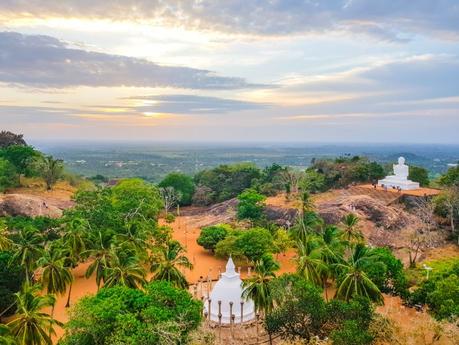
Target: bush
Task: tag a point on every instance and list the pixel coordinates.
(351, 333)
(170, 218)
(254, 243)
(419, 174)
(211, 235)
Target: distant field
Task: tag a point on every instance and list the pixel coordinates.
(153, 161)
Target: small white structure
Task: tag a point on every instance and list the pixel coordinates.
(400, 177)
(226, 298)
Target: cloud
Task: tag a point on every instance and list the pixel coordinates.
(386, 20)
(191, 104)
(44, 61)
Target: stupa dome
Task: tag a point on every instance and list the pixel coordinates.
(229, 289)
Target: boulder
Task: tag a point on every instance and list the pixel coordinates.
(31, 206)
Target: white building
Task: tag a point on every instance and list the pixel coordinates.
(226, 298)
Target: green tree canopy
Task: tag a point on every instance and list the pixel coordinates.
(161, 314)
(11, 280)
(211, 235)
(451, 177)
(254, 243)
(8, 175)
(251, 205)
(419, 174)
(181, 183)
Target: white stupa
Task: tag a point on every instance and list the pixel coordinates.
(229, 289)
(400, 177)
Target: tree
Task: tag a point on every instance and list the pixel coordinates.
(300, 309)
(282, 241)
(450, 178)
(308, 222)
(8, 138)
(254, 243)
(351, 232)
(258, 287)
(291, 179)
(211, 235)
(166, 263)
(51, 170)
(182, 183)
(28, 248)
(125, 269)
(203, 196)
(309, 263)
(7, 175)
(312, 181)
(159, 314)
(5, 241)
(31, 325)
(228, 247)
(447, 205)
(170, 197)
(11, 279)
(100, 254)
(354, 281)
(21, 157)
(251, 205)
(419, 174)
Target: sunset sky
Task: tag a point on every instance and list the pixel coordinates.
(232, 70)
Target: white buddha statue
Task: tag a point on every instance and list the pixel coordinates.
(400, 177)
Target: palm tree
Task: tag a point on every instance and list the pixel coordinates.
(28, 249)
(309, 260)
(56, 276)
(6, 338)
(134, 238)
(331, 253)
(100, 254)
(5, 242)
(124, 269)
(31, 325)
(51, 170)
(355, 281)
(258, 287)
(165, 264)
(309, 222)
(75, 237)
(351, 232)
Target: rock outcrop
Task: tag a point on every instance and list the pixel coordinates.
(31, 206)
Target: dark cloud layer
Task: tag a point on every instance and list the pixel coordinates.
(191, 104)
(383, 19)
(44, 61)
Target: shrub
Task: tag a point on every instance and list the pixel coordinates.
(211, 235)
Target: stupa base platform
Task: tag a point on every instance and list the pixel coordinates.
(396, 183)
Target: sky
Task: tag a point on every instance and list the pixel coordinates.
(373, 71)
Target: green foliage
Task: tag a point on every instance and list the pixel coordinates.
(51, 170)
(451, 177)
(227, 181)
(441, 291)
(211, 235)
(181, 183)
(7, 175)
(22, 158)
(386, 271)
(344, 170)
(251, 205)
(161, 314)
(170, 218)
(227, 247)
(351, 333)
(302, 313)
(313, 181)
(254, 243)
(33, 326)
(419, 174)
(11, 280)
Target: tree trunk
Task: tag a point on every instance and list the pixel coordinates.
(68, 298)
(52, 317)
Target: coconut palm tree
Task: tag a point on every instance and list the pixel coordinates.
(355, 281)
(5, 242)
(331, 253)
(6, 338)
(166, 262)
(258, 287)
(56, 276)
(134, 238)
(309, 260)
(124, 269)
(28, 248)
(75, 237)
(351, 232)
(31, 324)
(307, 224)
(100, 254)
